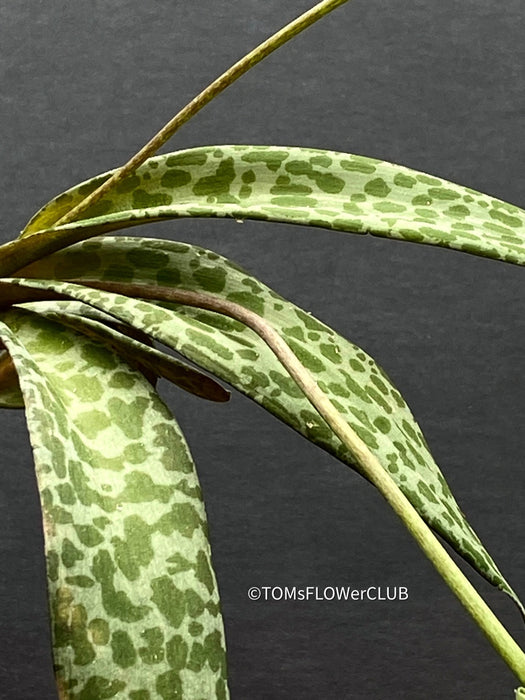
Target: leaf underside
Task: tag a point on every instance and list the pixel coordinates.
(133, 597)
(10, 394)
(357, 387)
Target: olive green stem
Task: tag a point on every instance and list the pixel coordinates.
(215, 88)
(369, 465)
(23, 251)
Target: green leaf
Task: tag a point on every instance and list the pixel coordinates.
(296, 185)
(147, 359)
(122, 509)
(357, 387)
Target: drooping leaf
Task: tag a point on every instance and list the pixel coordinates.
(136, 353)
(296, 185)
(133, 597)
(355, 384)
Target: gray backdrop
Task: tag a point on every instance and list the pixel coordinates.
(437, 86)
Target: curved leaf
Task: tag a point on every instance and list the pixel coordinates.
(133, 598)
(355, 384)
(334, 190)
(149, 360)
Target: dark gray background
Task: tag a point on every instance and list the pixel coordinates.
(437, 86)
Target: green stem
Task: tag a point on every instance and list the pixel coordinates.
(215, 88)
(23, 251)
(370, 466)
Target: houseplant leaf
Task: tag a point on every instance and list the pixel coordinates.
(133, 598)
(296, 185)
(356, 386)
(100, 328)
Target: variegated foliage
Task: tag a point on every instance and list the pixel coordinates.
(353, 381)
(338, 191)
(133, 598)
(334, 190)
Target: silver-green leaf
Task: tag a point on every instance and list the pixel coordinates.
(152, 362)
(334, 190)
(357, 387)
(133, 597)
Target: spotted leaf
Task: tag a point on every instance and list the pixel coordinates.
(290, 184)
(357, 387)
(152, 362)
(120, 498)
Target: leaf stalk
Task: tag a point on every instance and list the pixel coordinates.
(201, 100)
(369, 464)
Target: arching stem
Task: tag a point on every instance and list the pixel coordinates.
(23, 251)
(215, 88)
(369, 465)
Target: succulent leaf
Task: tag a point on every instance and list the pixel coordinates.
(333, 190)
(357, 387)
(101, 328)
(133, 597)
